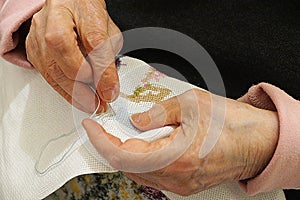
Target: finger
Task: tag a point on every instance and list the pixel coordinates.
(78, 91)
(95, 132)
(33, 46)
(31, 53)
(135, 155)
(96, 41)
(164, 113)
(64, 94)
(108, 85)
(61, 40)
(34, 56)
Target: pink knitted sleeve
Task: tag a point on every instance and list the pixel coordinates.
(283, 171)
(13, 13)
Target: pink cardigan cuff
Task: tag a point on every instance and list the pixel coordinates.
(13, 14)
(283, 171)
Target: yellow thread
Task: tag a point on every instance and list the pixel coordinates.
(148, 93)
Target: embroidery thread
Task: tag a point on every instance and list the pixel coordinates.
(149, 92)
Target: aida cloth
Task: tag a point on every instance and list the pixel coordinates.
(42, 146)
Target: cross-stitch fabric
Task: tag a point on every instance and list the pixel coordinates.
(43, 147)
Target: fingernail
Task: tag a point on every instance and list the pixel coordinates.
(135, 118)
(110, 95)
(85, 123)
(89, 126)
(141, 119)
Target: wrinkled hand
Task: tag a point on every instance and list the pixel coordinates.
(247, 143)
(61, 35)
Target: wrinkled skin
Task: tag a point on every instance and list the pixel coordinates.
(247, 142)
(61, 35)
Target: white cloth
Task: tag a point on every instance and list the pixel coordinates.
(39, 150)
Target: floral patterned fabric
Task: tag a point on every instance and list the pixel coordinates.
(110, 186)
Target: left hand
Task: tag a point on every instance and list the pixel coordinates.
(73, 43)
(247, 143)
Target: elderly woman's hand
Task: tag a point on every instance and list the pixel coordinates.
(62, 34)
(247, 143)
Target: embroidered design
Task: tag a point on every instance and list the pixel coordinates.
(152, 74)
(149, 92)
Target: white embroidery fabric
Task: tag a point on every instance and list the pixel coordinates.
(39, 150)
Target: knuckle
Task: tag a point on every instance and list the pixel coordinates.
(35, 20)
(95, 38)
(56, 39)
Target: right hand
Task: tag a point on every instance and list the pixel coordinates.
(62, 34)
(247, 142)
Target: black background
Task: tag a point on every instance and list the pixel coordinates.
(250, 41)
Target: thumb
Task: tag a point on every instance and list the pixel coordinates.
(135, 155)
(164, 113)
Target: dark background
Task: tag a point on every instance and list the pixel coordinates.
(250, 41)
